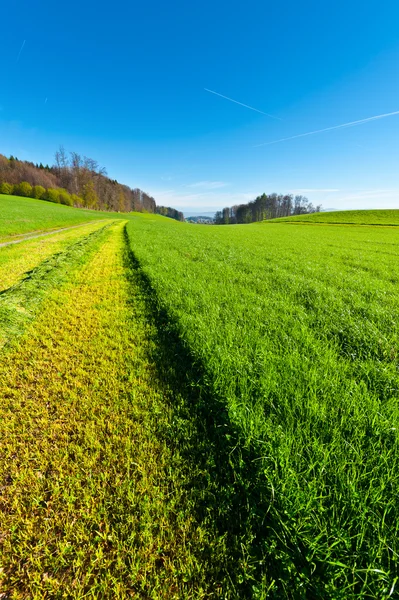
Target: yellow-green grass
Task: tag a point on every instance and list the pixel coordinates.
(19, 216)
(17, 260)
(294, 334)
(21, 303)
(347, 217)
(97, 496)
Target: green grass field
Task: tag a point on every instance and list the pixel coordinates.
(200, 412)
(295, 331)
(19, 216)
(348, 217)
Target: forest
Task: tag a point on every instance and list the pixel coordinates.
(266, 207)
(74, 180)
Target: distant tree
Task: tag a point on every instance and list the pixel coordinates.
(89, 195)
(38, 191)
(219, 217)
(62, 167)
(76, 200)
(300, 205)
(121, 201)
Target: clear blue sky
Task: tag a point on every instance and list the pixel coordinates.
(123, 82)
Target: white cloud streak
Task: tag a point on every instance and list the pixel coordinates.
(316, 190)
(241, 104)
(20, 51)
(352, 124)
(210, 185)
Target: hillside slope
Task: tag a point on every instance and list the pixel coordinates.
(19, 216)
(347, 217)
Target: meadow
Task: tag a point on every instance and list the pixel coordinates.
(20, 216)
(200, 412)
(348, 217)
(294, 331)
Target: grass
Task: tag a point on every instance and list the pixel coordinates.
(100, 482)
(201, 412)
(20, 216)
(347, 217)
(20, 303)
(294, 331)
(17, 260)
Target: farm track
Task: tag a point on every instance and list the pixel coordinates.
(36, 234)
(94, 495)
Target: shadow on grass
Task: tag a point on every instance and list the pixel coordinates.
(227, 491)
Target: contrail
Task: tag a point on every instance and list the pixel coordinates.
(241, 104)
(20, 51)
(293, 137)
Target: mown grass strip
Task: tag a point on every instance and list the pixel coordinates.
(20, 303)
(18, 261)
(104, 473)
(36, 234)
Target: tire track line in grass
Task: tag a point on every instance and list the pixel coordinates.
(21, 303)
(35, 234)
(92, 498)
(16, 262)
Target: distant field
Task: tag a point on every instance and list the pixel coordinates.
(198, 413)
(354, 217)
(23, 215)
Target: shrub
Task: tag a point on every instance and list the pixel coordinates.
(6, 188)
(23, 189)
(52, 195)
(65, 197)
(38, 192)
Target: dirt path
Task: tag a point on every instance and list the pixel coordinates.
(32, 235)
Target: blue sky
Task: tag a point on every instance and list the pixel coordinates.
(125, 83)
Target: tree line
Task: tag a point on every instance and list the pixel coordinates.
(167, 211)
(266, 206)
(73, 180)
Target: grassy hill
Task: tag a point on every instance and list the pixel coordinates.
(19, 216)
(347, 217)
